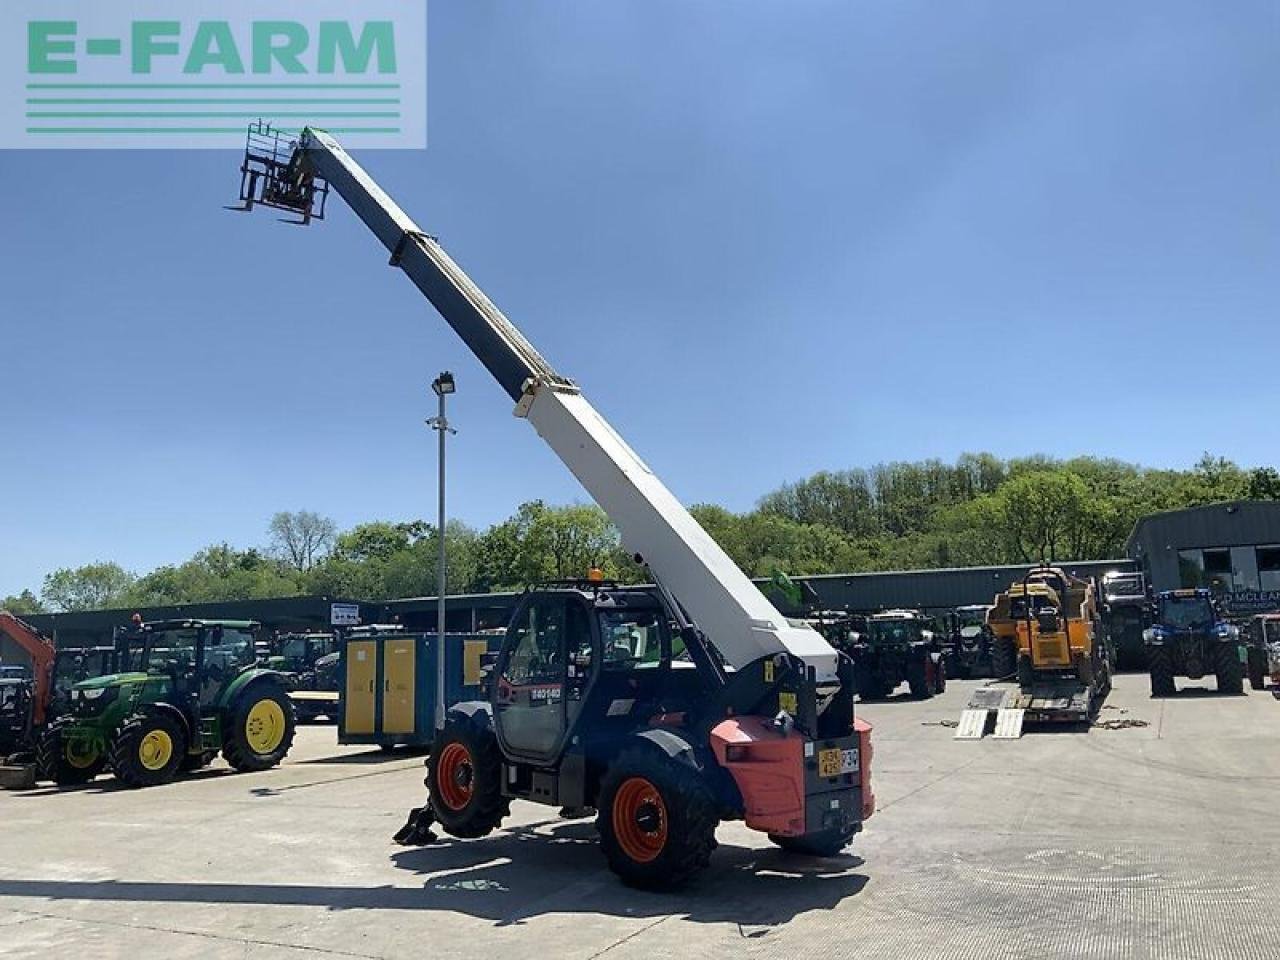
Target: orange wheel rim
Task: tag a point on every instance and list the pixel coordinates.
(640, 820)
(455, 774)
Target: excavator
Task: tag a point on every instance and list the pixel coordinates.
(33, 693)
(664, 709)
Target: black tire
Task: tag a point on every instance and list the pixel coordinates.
(940, 676)
(132, 750)
(825, 843)
(252, 718)
(196, 761)
(865, 682)
(466, 795)
(684, 822)
(54, 763)
(918, 677)
(1160, 666)
(1026, 672)
(1230, 671)
(1257, 669)
(1004, 657)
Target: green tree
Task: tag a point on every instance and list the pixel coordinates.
(1264, 483)
(301, 538)
(94, 586)
(22, 604)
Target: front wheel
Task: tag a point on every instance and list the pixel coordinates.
(1160, 666)
(657, 820)
(147, 750)
(1230, 671)
(824, 843)
(464, 781)
(67, 761)
(259, 728)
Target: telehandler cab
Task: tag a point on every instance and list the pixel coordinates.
(667, 709)
(191, 688)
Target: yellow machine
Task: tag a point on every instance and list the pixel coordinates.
(1046, 634)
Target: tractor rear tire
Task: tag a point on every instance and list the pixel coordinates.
(147, 750)
(824, 843)
(1004, 657)
(1257, 669)
(918, 678)
(1160, 666)
(464, 781)
(1229, 670)
(260, 728)
(54, 761)
(657, 819)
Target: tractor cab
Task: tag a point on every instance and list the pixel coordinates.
(968, 641)
(298, 652)
(586, 649)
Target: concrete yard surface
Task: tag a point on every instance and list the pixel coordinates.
(1154, 841)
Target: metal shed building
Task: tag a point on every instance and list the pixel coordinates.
(1232, 548)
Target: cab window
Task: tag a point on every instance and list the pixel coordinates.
(535, 653)
(631, 638)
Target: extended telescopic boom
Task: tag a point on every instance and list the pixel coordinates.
(725, 605)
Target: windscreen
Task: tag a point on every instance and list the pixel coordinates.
(893, 631)
(1186, 613)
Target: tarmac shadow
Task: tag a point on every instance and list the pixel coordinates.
(523, 873)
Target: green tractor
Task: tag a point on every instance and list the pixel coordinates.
(190, 688)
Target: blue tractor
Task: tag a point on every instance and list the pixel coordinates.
(1189, 637)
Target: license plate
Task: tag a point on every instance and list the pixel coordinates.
(833, 762)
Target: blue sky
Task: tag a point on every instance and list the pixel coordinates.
(766, 238)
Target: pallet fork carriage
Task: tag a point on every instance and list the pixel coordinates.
(667, 709)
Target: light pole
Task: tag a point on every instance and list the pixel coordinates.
(443, 385)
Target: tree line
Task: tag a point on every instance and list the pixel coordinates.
(895, 516)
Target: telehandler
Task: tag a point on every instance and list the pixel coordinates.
(666, 709)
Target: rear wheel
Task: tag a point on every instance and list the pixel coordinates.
(1004, 657)
(464, 781)
(1160, 666)
(1257, 669)
(1229, 669)
(67, 761)
(147, 750)
(259, 728)
(657, 819)
(918, 677)
(824, 843)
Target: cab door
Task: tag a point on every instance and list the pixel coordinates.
(543, 671)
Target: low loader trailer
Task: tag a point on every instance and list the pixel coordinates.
(1048, 627)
